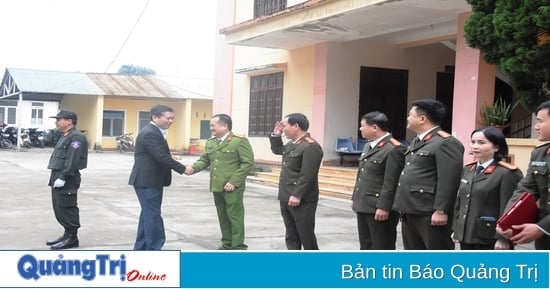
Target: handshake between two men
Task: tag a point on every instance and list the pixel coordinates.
(228, 187)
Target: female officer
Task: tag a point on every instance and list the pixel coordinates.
(485, 187)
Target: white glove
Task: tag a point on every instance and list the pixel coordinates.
(59, 183)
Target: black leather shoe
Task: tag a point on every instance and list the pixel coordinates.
(51, 242)
(68, 242)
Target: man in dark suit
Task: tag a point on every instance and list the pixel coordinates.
(298, 183)
(380, 165)
(428, 184)
(151, 172)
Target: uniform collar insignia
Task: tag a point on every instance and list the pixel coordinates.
(490, 169)
(428, 137)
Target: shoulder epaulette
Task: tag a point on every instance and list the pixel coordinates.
(443, 134)
(309, 139)
(238, 135)
(395, 142)
(507, 165)
(543, 144)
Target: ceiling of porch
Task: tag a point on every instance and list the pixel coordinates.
(405, 23)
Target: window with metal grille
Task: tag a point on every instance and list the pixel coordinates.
(8, 111)
(37, 113)
(144, 118)
(113, 123)
(268, 7)
(266, 101)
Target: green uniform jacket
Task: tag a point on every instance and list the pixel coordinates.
(431, 175)
(537, 182)
(229, 162)
(377, 176)
(300, 168)
(69, 156)
(481, 201)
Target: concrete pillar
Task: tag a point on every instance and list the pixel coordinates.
(224, 56)
(317, 122)
(474, 86)
(187, 124)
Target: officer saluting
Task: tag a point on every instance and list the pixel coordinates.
(69, 156)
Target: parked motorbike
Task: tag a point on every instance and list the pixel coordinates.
(11, 134)
(125, 142)
(36, 137)
(5, 143)
(51, 136)
(25, 139)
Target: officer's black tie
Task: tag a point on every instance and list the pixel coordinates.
(415, 143)
(479, 168)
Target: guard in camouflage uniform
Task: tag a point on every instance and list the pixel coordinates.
(68, 158)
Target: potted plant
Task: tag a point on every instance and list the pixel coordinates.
(498, 114)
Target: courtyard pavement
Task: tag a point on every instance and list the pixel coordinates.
(109, 208)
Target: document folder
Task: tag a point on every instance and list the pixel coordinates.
(524, 210)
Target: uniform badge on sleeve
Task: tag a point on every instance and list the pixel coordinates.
(75, 144)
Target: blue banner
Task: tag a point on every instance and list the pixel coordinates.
(360, 269)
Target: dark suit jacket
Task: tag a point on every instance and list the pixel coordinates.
(152, 160)
(377, 176)
(299, 169)
(484, 195)
(431, 175)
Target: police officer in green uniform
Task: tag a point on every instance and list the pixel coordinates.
(298, 183)
(380, 165)
(230, 158)
(537, 182)
(68, 158)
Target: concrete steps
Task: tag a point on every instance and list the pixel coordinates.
(333, 181)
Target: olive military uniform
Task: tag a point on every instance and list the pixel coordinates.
(69, 156)
(377, 176)
(481, 201)
(537, 182)
(230, 162)
(299, 178)
(429, 183)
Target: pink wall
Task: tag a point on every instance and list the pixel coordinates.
(474, 86)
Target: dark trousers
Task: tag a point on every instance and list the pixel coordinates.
(466, 246)
(150, 232)
(65, 208)
(230, 209)
(543, 243)
(377, 235)
(300, 226)
(419, 234)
